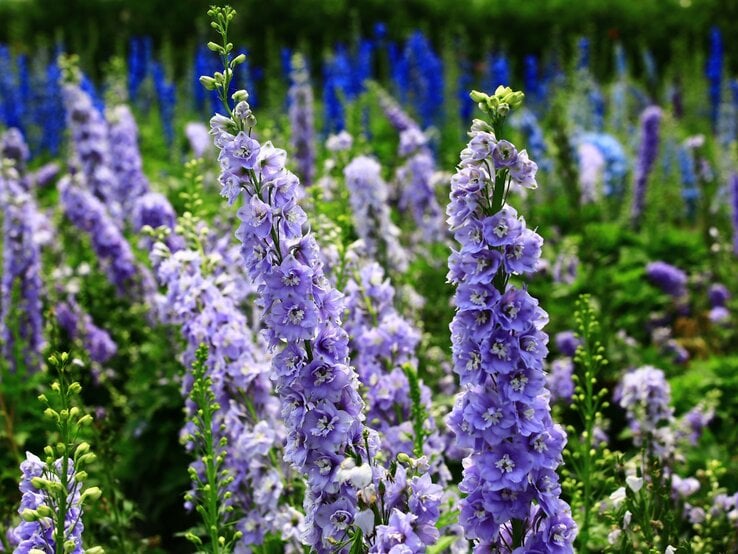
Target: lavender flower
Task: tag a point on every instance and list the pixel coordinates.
(238, 368)
(302, 120)
(502, 413)
(13, 147)
(90, 138)
(21, 269)
(125, 157)
(39, 535)
(559, 381)
(322, 410)
(647, 153)
(78, 324)
(372, 221)
(670, 279)
(153, 209)
(88, 214)
(198, 136)
(733, 184)
(591, 165)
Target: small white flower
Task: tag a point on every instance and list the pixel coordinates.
(626, 519)
(613, 536)
(634, 483)
(618, 497)
(670, 550)
(365, 520)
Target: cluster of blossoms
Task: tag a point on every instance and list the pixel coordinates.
(22, 269)
(92, 147)
(318, 389)
(125, 158)
(302, 119)
(670, 279)
(369, 203)
(503, 414)
(527, 123)
(559, 380)
(79, 325)
(154, 210)
(198, 137)
(88, 214)
(647, 153)
(718, 296)
(416, 178)
(39, 535)
(591, 166)
(238, 368)
(383, 343)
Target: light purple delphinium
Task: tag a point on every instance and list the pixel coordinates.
(92, 148)
(125, 158)
(503, 413)
(21, 322)
(89, 215)
(302, 120)
(647, 153)
(198, 137)
(416, 180)
(78, 324)
(321, 406)
(670, 279)
(368, 196)
(154, 210)
(40, 535)
(239, 369)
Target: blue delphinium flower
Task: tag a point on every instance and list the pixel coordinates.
(399, 68)
(125, 157)
(498, 71)
(140, 55)
(362, 66)
(166, 94)
(690, 190)
(583, 53)
(526, 121)
(503, 414)
(425, 69)
(616, 161)
(532, 83)
(302, 120)
(336, 85)
(11, 113)
(398, 118)
(368, 195)
(22, 340)
(647, 153)
(714, 73)
(646, 396)
(466, 79)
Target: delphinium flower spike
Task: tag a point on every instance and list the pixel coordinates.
(21, 321)
(302, 120)
(498, 344)
(647, 153)
(323, 411)
(53, 489)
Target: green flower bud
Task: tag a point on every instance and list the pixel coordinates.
(93, 493)
(215, 47)
(478, 97)
(44, 511)
(29, 515)
(208, 82)
(94, 550)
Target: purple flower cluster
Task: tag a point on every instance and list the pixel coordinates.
(78, 324)
(645, 396)
(647, 153)
(394, 113)
(416, 177)
(14, 147)
(503, 414)
(670, 279)
(130, 181)
(39, 535)
(21, 271)
(239, 369)
(302, 120)
(88, 214)
(91, 145)
(317, 386)
(718, 296)
(153, 209)
(383, 342)
(368, 196)
(199, 138)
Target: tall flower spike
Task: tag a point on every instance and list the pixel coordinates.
(21, 269)
(130, 182)
(647, 153)
(502, 414)
(318, 388)
(302, 120)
